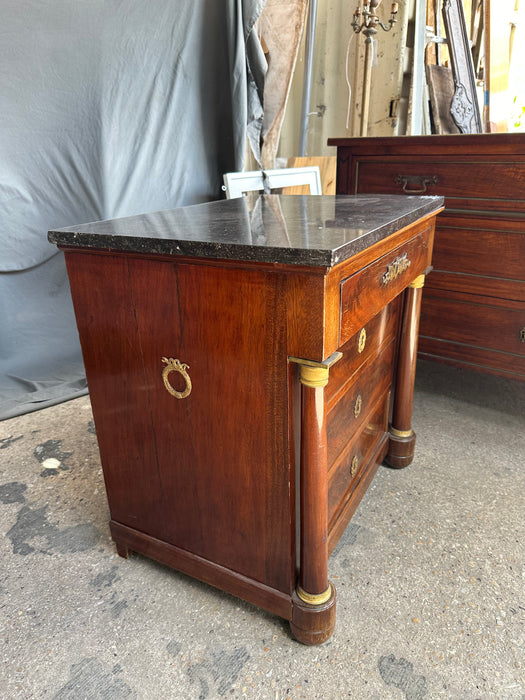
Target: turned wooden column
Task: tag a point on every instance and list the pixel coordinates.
(402, 442)
(313, 616)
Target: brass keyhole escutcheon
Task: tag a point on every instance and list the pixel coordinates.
(361, 342)
(357, 405)
(354, 466)
(180, 367)
(522, 335)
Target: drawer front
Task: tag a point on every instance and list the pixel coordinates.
(488, 290)
(467, 183)
(499, 363)
(361, 347)
(350, 413)
(477, 325)
(346, 474)
(480, 246)
(364, 294)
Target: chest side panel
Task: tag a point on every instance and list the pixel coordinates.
(209, 473)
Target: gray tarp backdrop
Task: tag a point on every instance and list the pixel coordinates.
(107, 108)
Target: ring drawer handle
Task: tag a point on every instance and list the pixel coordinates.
(396, 268)
(354, 466)
(176, 366)
(415, 184)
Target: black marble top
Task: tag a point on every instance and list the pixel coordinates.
(293, 229)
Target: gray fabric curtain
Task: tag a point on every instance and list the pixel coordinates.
(107, 108)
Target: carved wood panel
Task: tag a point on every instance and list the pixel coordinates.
(464, 107)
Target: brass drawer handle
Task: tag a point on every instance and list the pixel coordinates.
(421, 182)
(396, 268)
(358, 405)
(361, 341)
(354, 466)
(176, 366)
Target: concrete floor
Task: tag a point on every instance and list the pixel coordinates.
(430, 574)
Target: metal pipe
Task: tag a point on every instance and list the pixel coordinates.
(437, 15)
(307, 80)
(415, 126)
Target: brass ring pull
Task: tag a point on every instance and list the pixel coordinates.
(357, 406)
(421, 182)
(354, 466)
(176, 366)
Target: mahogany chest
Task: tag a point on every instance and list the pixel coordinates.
(248, 372)
(473, 311)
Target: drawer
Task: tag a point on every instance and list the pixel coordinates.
(474, 324)
(346, 474)
(467, 183)
(349, 414)
(496, 291)
(492, 361)
(361, 347)
(364, 294)
(480, 246)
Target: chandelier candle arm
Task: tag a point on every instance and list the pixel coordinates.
(370, 18)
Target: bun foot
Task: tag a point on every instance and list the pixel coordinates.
(313, 624)
(401, 449)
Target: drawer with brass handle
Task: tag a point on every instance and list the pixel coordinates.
(346, 416)
(366, 292)
(361, 347)
(453, 178)
(346, 473)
